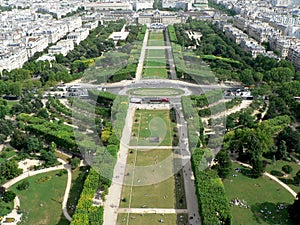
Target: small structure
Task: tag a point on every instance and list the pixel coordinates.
(154, 139)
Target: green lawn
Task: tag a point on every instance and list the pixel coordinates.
(275, 168)
(154, 168)
(156, 92)
(42, 202)
(156, 35)
(152, 123)
(156, 42)
(155, 73)
(155, 53)
(148, 219)
(262, 195)
(78, 178)
(155, 62)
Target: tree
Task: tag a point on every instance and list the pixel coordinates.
(19, 140)
(287, 169)
(9, 196)
(294, 210)
(74, 162)
(49, 158)
(34, 145)
(24, 185)
(223, 165)
(257, 167)
(297, 178)
(42, 112)
(282, 150)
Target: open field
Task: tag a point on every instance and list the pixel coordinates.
(275, 169)
(41, 203)
(155, 62)
(138, 219)
(155, 73)
(153, 53)
(156, 42)
(149, 179)
(262, 195)
(152, 123)
(155, 92)
(156, 35)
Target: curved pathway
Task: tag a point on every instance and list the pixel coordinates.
(27, 174)
(271, 177)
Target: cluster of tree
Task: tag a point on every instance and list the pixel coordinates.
(86, 213)
(212, 200)
(8, 170)
(207, 98)
(294, 209)
(60, 134)
(221, 7)
(220, 107)
(194, 123)
(252, 144)
(172, 34)
(55, 106)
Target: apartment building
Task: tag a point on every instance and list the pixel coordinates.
(251, 46)
(61, 47)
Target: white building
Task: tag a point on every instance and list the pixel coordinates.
(36, 44)
(78, 35)
(251, 46)
(62, 47)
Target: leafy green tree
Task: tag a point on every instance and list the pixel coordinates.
(49, 158)
(282, 150)
(42, 112)
(24, 185)
(287, 169)
(74, 162)
(9, 196)
(223, 165)
(34, 145)
(297, 178)
(19, 140)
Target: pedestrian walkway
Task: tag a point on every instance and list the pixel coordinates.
(139, 69)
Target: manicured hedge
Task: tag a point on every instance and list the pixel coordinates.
(212, 200)
(86, 213)
(172, 33)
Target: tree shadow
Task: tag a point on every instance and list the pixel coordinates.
(63, 220)
(276, 173)
(271, 213)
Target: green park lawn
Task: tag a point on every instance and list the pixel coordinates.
(156, 35)
(155, 73)
(42, 202)
(138, 219)
(155, 42)
(155, 62)
(152, 123)
(262, 195)
(153, 53)
(275, 169)
(156, 92)
(159, 192)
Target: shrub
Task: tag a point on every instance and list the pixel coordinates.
(287, 169)
(24, 185)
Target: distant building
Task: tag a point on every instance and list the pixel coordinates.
(160, 17)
